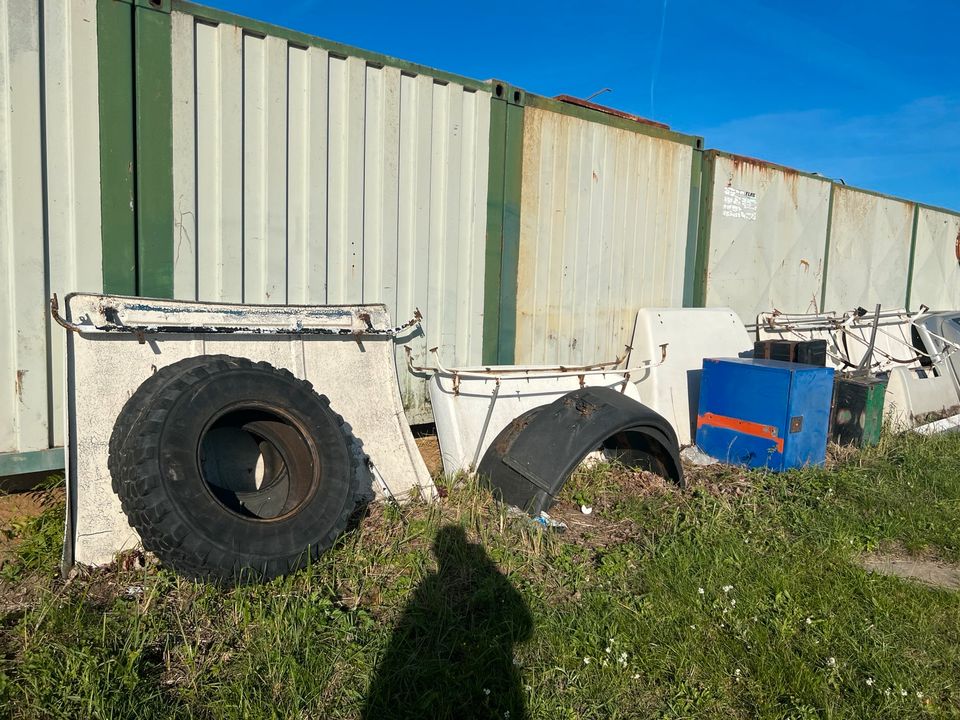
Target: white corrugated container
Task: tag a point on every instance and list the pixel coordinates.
(305, 176)
(604, 224)
(49, 211)
(765, 228)
(936, 260)
(869, 253)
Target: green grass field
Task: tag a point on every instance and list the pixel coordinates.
(740, 596)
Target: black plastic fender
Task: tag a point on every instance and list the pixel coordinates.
(531, 459)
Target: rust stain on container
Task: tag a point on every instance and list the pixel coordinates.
(768, 170)
(18, 384)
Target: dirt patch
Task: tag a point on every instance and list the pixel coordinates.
(17, 508)
(429, 448)
(22, 505)
(928, 571)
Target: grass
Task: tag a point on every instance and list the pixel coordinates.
(738, 597)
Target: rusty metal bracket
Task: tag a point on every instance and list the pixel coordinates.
(526, 373)
(55, 314)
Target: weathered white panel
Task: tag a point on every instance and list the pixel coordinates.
(768, 230)
(329, 179)
(869, 250)
(336, 364)
(603, 231)
(690, 334)
(48, 112)
(936, 261)
(915, 397)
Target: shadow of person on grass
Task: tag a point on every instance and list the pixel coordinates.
(451, 654)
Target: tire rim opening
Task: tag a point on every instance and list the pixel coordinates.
(257, 464)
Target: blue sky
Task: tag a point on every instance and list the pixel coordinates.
(866, 91)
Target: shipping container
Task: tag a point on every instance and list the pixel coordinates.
(935, 281)
(307, 173)
(166, 149)
(868, 258)
(605, 229)
(49, 212)
(763, 236)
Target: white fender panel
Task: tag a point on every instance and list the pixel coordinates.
(469, 415)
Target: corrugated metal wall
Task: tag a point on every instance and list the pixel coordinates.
(869, 252)
(49, 203)
(307, 172)
(767, 228)
(603, 231)
(303, 176)
(936, 265)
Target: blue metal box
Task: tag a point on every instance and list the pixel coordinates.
(764, 413)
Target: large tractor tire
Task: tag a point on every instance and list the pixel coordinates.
(234, 471)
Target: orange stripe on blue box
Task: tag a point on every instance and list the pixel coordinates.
(746, 427)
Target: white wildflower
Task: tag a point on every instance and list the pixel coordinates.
(903, 692)
(586, 661)
(733, 602)
(870, 681)
(832, 661)
(636, 676)
(486, 691)
(727, 588)
(700, 591)
(809, 621)
(919, 695)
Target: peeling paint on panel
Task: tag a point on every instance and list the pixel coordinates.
(18, 384)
